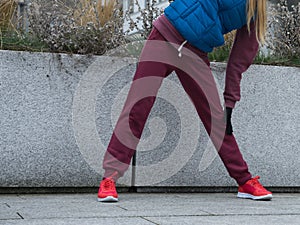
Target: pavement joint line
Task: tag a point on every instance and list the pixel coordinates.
(20, 215)
(88, 217)
(209, 213)
(4, 219)
(243, 214)
(152, 216)
(149, 220)
(225, 215)
(122, 207)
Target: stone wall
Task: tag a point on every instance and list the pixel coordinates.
(57, 113)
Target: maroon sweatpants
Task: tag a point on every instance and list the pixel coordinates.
(159, 58)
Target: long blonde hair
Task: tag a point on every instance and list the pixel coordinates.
(257, 10)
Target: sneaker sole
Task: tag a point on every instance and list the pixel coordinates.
(108, 199)
(249, 196)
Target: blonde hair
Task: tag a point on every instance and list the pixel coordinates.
(256, 9)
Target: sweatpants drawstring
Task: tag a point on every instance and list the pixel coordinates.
(180, 48)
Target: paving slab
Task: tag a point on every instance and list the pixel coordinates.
(7, 213)
(228, 204)
(71, 221)
(227, 220)
(64, 206)
(145, 208)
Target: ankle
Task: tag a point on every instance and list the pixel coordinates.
(111, 174)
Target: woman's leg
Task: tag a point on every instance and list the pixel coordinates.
(146, 82)
(201, 87)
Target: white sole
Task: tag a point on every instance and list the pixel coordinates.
(108, 199)
(249, 196)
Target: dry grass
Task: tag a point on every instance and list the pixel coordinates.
(284, 29)
(89, 11)
(8, 9)
(86, 27)
(229, 37)
(143, 23)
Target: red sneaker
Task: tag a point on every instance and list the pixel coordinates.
(107, 190)
(254, 190)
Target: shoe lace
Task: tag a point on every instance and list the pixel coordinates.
(255, 183)
(108, 184)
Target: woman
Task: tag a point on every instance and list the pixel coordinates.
(179, 41)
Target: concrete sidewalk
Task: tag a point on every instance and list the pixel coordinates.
(183, 208)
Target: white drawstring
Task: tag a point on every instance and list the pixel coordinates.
(180, 48)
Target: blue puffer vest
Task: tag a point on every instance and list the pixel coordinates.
(203, 22)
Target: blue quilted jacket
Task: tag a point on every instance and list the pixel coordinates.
(203, 22)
